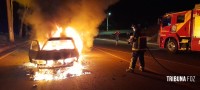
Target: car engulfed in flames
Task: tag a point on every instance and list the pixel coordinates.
(58, 58)
(56, 52)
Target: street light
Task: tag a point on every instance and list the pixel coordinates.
(108, 14)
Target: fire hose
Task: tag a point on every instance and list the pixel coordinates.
(141, 43)
(160, 63)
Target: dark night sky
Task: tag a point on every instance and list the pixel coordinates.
(126, 12)
(3, 17)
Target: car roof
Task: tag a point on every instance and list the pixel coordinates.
(60, 38)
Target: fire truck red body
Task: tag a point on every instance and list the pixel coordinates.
(181, 30)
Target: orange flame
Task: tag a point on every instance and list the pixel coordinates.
(62, 73)
(70, 32)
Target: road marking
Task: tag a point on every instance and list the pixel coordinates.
(24, 44)
(120, 58)
(112, 50)
(100, 49)
(146, 56)
(137, 64)
(112, 55)
(7, 54)
(121, 41)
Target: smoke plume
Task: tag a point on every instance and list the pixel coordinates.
(83, 15)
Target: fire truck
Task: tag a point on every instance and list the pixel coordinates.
(180, 30)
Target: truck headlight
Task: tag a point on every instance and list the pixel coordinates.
(50, 62)
(41, 61)
(173, 29)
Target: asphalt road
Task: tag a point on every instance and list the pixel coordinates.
(106, 65)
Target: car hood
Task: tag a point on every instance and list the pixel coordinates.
(56, 54)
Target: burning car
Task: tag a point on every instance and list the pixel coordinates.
(56, 52)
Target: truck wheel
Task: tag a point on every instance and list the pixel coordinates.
(172, 46)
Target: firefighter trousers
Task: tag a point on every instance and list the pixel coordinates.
(137, 55)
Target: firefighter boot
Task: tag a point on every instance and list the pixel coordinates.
(141, 68)
(130, 70)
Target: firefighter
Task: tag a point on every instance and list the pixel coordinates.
(138, 48)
